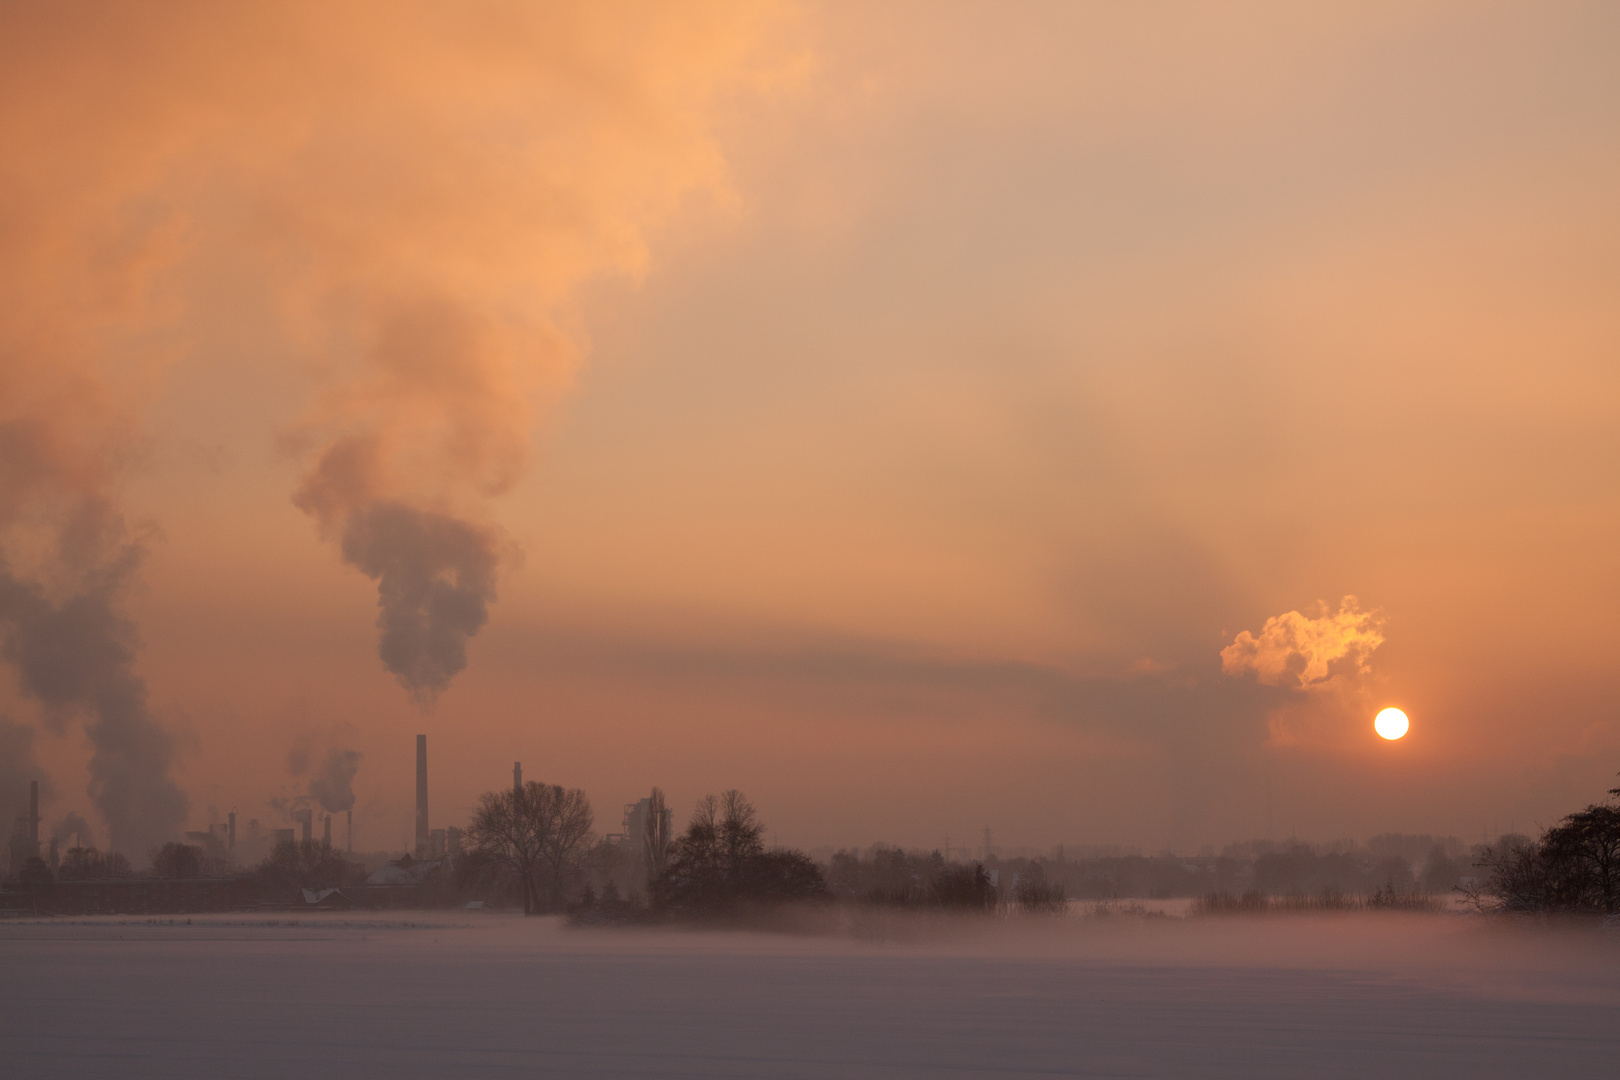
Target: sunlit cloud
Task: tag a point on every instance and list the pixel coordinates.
(1299, 652)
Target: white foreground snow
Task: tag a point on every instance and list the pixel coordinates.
(498, 996)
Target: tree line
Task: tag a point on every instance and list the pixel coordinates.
(1573, 868)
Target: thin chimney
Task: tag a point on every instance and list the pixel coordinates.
(231, 842)
(517, 777)
(326, 837)
(33, 814)
(351, 831)
(421, 798)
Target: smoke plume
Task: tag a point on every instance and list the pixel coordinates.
(77, 655)
(17, 768)
(333, 786)
(407, 194)
(1297, 652)
(435, 579)
(73, 825)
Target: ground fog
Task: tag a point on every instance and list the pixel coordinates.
(1116, 995)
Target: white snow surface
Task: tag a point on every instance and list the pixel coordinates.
(474, 995)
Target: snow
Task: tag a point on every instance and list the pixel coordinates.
(474, 994)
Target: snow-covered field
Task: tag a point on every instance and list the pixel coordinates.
(497, 996)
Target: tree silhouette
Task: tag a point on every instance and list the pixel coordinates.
(720, 865)
(540, 830)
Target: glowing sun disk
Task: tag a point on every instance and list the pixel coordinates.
(1391, 724)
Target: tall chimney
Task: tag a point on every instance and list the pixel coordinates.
(421, 798)
(351, 830)
(517, 777)
(231, 842)
(327, 836)
(33, 814)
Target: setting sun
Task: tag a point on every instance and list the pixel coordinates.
(1391, 724)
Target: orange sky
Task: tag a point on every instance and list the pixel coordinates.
(891, 412)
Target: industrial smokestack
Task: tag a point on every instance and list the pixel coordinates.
(517, 777)
(351, 832)
(306, 819)
(326, 837)
(231, 841)
(33, 815)
(421, 798)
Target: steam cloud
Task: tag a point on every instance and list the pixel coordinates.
(78, 655)
(407, 195)
(333, 786)
(17, 768)
(435, 579)
(74, 825)
(1297, 652)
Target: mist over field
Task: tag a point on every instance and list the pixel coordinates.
(429, 996)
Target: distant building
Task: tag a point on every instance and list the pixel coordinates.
(325, 899)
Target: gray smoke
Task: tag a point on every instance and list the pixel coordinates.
(74, 825)
(301, 756)
(286, 806)
(78, 655)
(17, 768)
(435, 579)
(333, 786)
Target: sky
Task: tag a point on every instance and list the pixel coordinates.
(1069, 420)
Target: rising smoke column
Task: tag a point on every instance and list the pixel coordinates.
(333, 785)
(17, 768)
(66, 555)
(533, 161)
(78, 655)
(411, 191)
(414, 191)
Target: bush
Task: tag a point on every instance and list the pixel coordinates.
(1037, 896)
(720, 866)
(1574, 869)
(963, 888)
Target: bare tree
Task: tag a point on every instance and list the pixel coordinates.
(563, 820)
(503, 829)
(542, 831)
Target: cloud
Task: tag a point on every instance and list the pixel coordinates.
(1297, 652)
